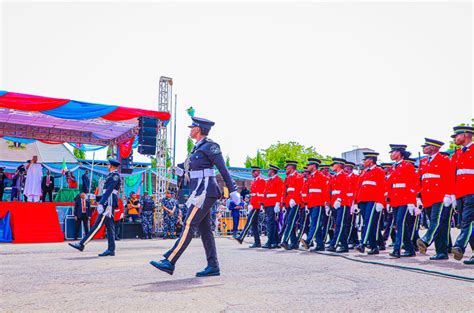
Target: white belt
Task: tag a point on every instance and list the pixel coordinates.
(369, 182)
(260, 194)
(290, 189)
(208, 172)
(312, 190)
(399, 185)
(335, 192)
(465, 171)
(429, 175)
(271, 195)
(350, 194)
(252, 194)
(115, 192)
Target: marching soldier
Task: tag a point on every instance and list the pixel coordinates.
(292, 200)
(341, 204)
(327, 216)
(402, 196)
(317, 197)
(463, 162)
(272, 202)
(106, 206)
(257, 190)
(370, 199)
(353, 235)
(199, 169)
(303, 222)
(437, 194)
(390, 221)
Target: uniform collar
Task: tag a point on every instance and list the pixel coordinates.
(372, 167)
(468, 145)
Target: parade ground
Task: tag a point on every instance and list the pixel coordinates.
(54, 277)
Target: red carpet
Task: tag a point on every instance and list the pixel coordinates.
(33, 222)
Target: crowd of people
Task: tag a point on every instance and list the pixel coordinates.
(323, 210)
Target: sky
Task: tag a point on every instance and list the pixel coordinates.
(332, 75)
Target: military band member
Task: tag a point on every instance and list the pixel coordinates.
(317, 190)
(273, 196)
(257, 190)
(105, 208)
(303, 223)
(199, 169)
(370, 199)
(292, 200)
(340, 202)
(353, 235)
(437, 194)
(402, 196)
(463, 162)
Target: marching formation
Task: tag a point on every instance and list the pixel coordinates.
(320, 211)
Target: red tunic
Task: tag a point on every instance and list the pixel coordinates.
(351, 187)
(402, 185)
(273, 191)
(339, 185)
(437, 179)
(257, 192)
(293, 186)
(317, 189)
(371, 186)
(463, 163)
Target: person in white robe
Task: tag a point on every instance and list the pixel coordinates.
(34, 174)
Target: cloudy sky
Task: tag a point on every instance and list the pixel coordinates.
(331, 75)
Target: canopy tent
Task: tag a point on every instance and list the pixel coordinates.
(62, 120)
(46, 153)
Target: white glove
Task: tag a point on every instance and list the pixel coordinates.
(447, 200)
(234, 196)
(328, 209)
(179, 171)
(250, 207)
(292, 203)
(389, 208)
(249, 210)
(417, 211)
(306, 211)
(277, 207)
(411, 209)
(337, 203)
(454, 201)
(378, 207)
(353, 209)
(284, 210)
(100, 209)
(419, 203)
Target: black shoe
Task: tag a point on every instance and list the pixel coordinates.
(255, 245)
(295, 247)
(318, 249)
(342, 250)
(267, 246)
(407, 254)
(117, 239)
(439, 256)
(77, 246)
(351, 246)
(416, 248)
(382, 248)
(360, 248)
(457, 253)
(304, 244)
(331, 249)
(373, 251)
(107, 253)
(422, 246)
(275, 246)
(470, 261)
(238, 239)
(164, 265)
(209, 271)
(394, 254)
(285, 246)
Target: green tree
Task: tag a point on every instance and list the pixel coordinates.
(79, 154)
(278, 153)
(227, 161)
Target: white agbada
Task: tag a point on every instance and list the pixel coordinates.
(33, 180)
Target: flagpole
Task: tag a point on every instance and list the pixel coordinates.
(92, 171)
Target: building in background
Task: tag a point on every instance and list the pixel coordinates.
(356, 155)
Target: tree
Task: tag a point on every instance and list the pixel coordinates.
(227, 161)
(278, 153)
(79, 154)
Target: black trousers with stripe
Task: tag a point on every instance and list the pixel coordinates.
(110, 228)
(200, 219)
(252, 221)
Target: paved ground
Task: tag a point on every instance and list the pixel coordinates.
(54, 277)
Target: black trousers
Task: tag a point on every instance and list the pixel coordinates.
(466, 209)
(272, 232)
(110, 228)
(48, 193)
(2, 190)
(84, 219)
(198, 218)
(252, 221)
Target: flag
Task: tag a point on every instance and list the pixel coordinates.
(64, 167)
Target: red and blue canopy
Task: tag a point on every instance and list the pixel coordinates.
(64, 120)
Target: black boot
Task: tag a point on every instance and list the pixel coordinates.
(255, 245)
(439, 256)
(470, 261)
(77, 246)
(107, 253)
(164, 265)
(331, 249)
(395, 254)
(373, 251)
(408, 254)
(209, 271)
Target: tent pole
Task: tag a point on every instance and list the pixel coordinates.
(92, 171)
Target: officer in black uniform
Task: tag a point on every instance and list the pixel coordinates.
(106, 207)
(199, 171)
(3, 178)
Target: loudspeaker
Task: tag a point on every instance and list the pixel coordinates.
(131, 230)
(70, 227)
(147, 135)
(147, 150)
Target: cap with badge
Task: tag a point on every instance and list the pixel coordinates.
(432, 142)
(350, 164)
(291, 162)
(314, 161)
(273, 167)
(202, 123)
(370, 154)
(114, 162)
(386, 165)
(324, 166)
(255, 168)
(397, 147)
(462, 130)
(338, 161)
